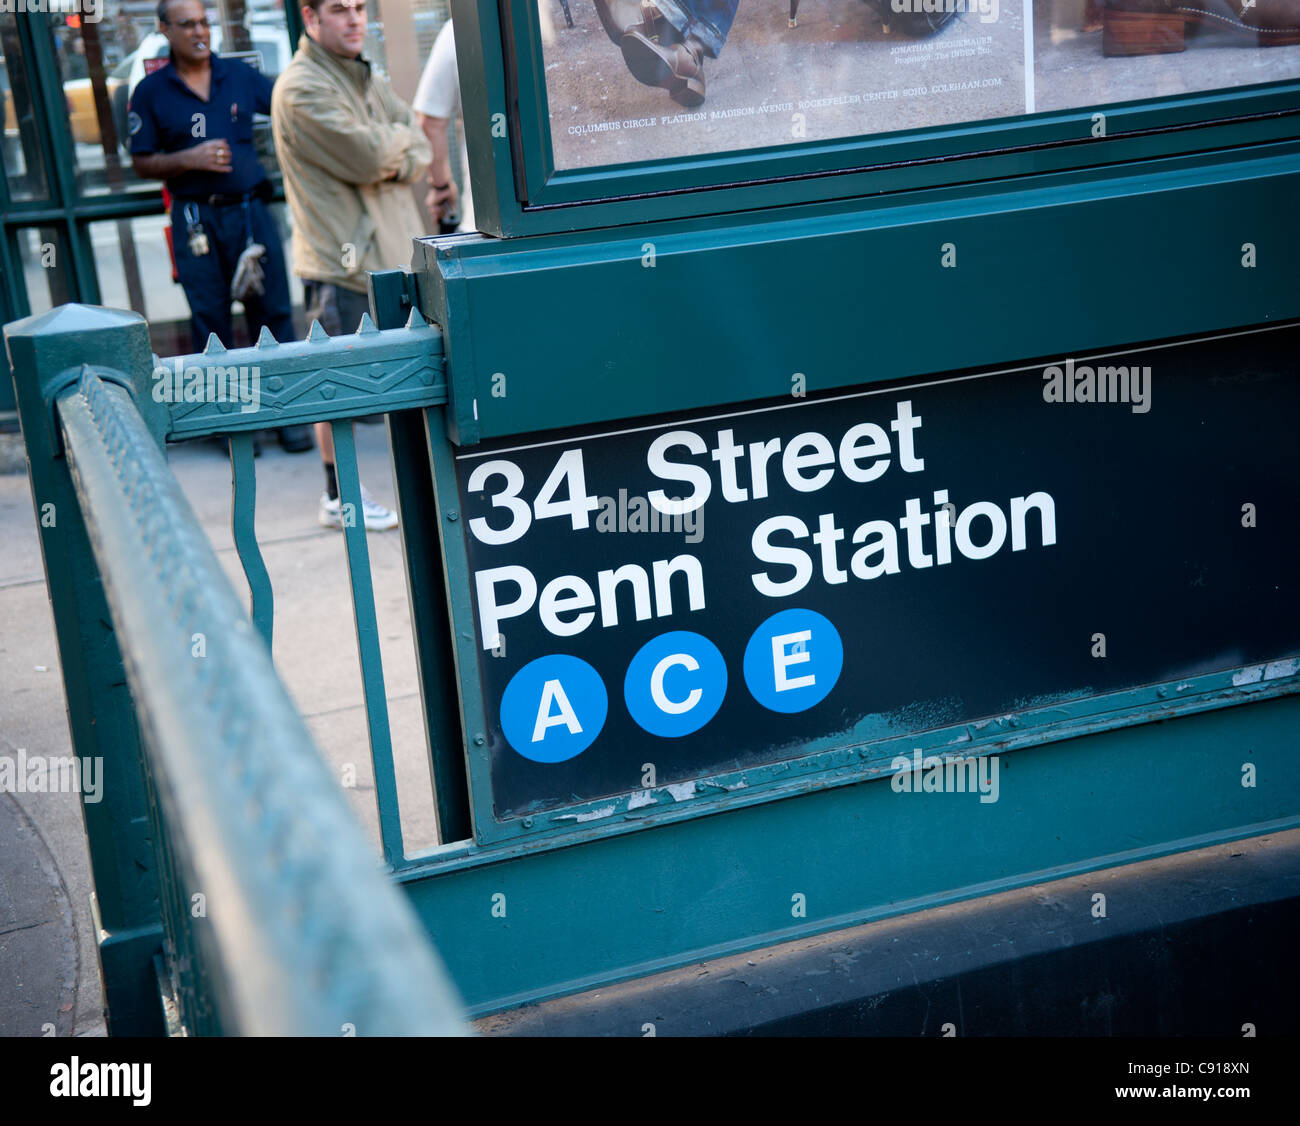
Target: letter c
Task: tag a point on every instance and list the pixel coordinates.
(657, 684)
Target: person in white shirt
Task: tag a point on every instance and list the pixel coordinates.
(437, 104)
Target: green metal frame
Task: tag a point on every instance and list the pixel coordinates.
(615, 907)
(708, 868)
(1134, 254)
(702, 869)
(1140, 251)
(518, 191)
(245, 865)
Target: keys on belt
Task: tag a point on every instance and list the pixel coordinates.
(196, 236)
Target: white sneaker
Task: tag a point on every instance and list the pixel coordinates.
(377, 517)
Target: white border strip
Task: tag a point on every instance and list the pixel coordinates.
(1030, 94)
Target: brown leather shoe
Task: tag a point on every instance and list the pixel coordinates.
(1151, 27)
(657, 56)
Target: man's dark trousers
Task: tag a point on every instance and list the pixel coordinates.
(206, 279)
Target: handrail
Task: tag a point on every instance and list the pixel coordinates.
(278, 920)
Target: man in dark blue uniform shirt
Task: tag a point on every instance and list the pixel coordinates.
(191, 124)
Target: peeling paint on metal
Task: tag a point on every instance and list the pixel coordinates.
(1281, 668)
(1248, 676)
(588, 815)
(597, 814)
(682, 791)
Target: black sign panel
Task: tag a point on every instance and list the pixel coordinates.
(690, 595)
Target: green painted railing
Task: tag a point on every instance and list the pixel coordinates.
(275, 918)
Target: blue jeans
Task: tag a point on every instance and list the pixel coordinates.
(708, 20)
(206, 279)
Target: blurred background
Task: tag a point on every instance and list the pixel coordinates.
(76, 224)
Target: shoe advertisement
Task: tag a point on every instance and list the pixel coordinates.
(635, 80)
(1091, 52)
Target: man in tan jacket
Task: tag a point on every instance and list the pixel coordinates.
(349, 150)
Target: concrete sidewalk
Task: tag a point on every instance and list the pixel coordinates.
(49, 977)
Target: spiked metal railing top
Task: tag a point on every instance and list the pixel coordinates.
(312, 380)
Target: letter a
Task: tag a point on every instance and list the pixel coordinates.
(552, 692)
(61, 1081)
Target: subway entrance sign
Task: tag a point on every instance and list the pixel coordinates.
(722, 599)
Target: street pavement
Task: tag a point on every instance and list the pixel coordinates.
(49, 978)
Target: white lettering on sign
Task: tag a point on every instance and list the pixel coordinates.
(553, 693)
(791, 551)
(696, 477)
(807, 462)
(980, 533)
(491, 612)
(570, 594)
(660, 697)
(783, 657)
